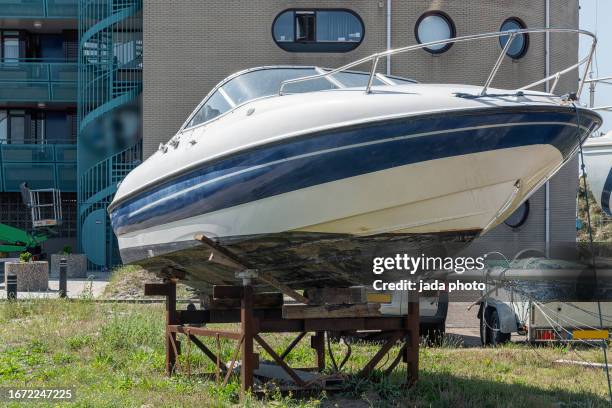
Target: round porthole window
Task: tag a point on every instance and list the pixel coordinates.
(520, 43)
(435, 26)
(519, 216)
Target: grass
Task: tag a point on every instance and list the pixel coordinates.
(113, 356)
(126, 282)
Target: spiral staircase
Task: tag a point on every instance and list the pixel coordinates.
(110, 78)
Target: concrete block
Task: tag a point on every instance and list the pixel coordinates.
(31, 276)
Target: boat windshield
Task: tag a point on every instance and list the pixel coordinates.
(253, 84)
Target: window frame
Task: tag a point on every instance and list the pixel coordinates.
(317, 46)
(311, 15)
(451, 25)
(525, 47)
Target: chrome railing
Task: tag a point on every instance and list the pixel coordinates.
(593, 82)
(375, 58)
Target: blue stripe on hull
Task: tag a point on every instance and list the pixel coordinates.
(303, 162)
(605, 195)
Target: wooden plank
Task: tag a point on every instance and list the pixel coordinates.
(156, 289)
(580, 363)
(330, 311)
(221, 255)
(227, 291)
(266, 300)
(337, 296)
(270, 280)
(193, 316)
(275, 372)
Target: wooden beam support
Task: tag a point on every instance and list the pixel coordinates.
(411, 351)
(172, 350)
(317, 342)
(286, 290)
(269, 300)
(248, 333)
(331, 311)
(227, 291)
(337, 296)
(156, 289)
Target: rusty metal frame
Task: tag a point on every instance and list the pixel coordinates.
(254, 323)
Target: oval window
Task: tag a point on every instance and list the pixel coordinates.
(520, 43)
(321, 30)
(435, 26)
(519, 216)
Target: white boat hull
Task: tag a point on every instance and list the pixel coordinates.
(597, 154)
(467, 198)
(314, 204)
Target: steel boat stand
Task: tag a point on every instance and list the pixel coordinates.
(263, 313)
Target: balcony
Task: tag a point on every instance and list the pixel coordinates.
(39, 9)
(34, 81)
(40, 165)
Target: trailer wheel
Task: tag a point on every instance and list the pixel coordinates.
(490, 332)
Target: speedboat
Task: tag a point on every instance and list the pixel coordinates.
(308, 174)
(597, 152)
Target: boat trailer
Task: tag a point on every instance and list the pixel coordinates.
(326, 313)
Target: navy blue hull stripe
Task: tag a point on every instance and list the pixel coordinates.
(334, 155)
(605, 195)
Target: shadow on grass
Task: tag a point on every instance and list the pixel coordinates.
(433, 390)
(447, 390)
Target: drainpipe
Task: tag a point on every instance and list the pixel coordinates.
(547, 186)
(388, 36)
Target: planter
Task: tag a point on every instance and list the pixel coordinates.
(77, 265)
(31, 276)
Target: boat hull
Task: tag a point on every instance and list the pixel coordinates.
(317, 208)
(597, 154)
(297, 259)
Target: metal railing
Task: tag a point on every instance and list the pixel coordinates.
(37, 70)
(593, 82)
(38, 153)
(375, 58)
(33, 80)
(39, 8)
(41, 165)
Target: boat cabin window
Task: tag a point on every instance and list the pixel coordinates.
(215, 106)
(266, 82)
(259, 83)
(355, 79)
